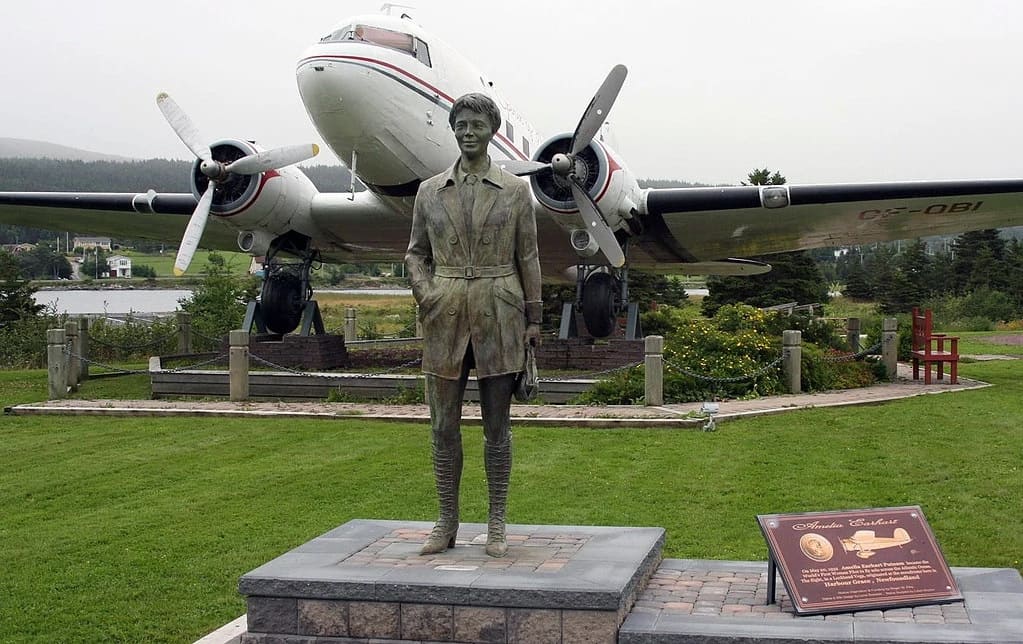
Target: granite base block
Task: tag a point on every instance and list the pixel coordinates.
(366, 581)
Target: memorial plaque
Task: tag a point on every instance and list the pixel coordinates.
(853, 560)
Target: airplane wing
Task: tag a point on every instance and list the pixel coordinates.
(345, 229)
(160, 217)
(702, 224)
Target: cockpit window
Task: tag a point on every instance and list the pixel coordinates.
(385, 38)
(344, 33)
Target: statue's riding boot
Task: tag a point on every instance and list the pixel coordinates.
(497, 460)
(447, 470)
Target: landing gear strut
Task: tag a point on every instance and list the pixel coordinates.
(286, 292)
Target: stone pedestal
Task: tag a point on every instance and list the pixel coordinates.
(366, 580)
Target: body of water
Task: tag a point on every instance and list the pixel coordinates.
(150, 301)
(112, 301)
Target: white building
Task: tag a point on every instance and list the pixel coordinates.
(119, 266)
(88, 243)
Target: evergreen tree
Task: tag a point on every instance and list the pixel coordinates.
(793, 277)
(913, 280)
(979, 262)
(16, 301)
(857, 282)
(43, 262)
(763, 177)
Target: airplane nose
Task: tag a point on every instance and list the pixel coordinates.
(322, 87)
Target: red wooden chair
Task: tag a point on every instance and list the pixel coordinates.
(931, 348)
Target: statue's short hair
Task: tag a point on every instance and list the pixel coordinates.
(479, 103)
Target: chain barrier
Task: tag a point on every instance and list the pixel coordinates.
(723, 380)
(849, 357)
(592, 376)
(297, 372)
(273, 365)
(121, 370)
(200, 334)
(134, 347)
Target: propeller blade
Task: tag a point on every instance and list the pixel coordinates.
(273, 159)
(597, 226)
(522, 168)
(183, 126)
(596, 112)
(196, 226)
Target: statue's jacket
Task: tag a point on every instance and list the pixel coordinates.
(473, 286)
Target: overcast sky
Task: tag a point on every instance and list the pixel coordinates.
(824, 91)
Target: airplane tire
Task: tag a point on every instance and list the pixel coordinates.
(281, 303)
(598, 304)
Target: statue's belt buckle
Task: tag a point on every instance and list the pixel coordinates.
(470, 272)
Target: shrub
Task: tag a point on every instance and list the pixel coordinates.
(734, 355)
(217, 305)
(23, 341)
(133, 339)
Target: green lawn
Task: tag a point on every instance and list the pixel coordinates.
(163, 264)
(137, 529)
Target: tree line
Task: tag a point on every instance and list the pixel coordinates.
(162, 175)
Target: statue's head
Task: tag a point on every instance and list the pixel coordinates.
(479, 103)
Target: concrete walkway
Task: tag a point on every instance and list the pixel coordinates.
(685, 415)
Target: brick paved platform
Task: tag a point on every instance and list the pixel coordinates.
(724, 602)
(366, 581)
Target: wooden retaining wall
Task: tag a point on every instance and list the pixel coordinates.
(271, 385)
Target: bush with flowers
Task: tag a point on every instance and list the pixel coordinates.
(735, 354)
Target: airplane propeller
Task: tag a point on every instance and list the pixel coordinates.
(564, 164)
(218, 172)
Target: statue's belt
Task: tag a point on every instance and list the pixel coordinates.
(473, 272)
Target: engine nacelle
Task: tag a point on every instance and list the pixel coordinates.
(606, 179)
(271, 202)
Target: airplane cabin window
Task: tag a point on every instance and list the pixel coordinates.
(525, 146)
(509, 131)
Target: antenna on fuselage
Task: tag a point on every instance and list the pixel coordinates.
(387, 6)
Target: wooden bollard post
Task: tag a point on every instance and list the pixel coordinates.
(350, 330)
(184, 332)
(890, 346)
(792, 356)
(239, 364)
(83, 343)
(74, 360)
(852, 334)
(653, 365)
(56, 364)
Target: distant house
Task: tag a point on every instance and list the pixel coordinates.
(119, 266)
(18, 248)
(89, 243)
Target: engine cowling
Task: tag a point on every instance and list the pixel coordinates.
(269, 203)
(611, 185)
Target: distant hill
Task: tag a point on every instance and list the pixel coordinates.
(162, 175)
(28, 149)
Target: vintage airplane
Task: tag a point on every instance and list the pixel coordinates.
(865, 542)
(379, 88)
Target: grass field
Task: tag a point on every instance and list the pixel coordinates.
(137, 529)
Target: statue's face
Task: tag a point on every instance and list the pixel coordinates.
(473, 132)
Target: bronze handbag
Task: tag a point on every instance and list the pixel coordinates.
(528, 385)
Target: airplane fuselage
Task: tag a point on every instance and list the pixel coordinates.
(379, 90)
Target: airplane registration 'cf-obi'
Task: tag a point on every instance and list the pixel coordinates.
(379, 89)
